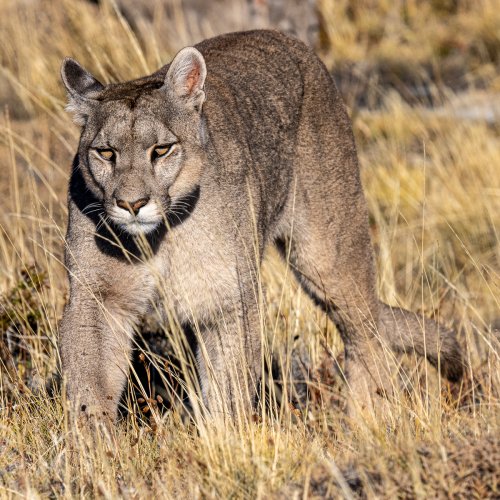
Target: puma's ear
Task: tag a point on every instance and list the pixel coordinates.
(186, 77)
(82, 89)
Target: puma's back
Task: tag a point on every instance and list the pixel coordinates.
(271, 96)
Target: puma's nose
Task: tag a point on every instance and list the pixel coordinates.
(132, 206)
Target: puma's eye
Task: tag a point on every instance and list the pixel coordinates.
(106, 154)
(160, 151)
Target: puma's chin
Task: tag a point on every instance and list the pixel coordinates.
(137, 227)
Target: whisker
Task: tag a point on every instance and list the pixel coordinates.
(176, 215)
(90, 212)
(182, 205)
(91, 206)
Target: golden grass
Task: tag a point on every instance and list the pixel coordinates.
(433, 185)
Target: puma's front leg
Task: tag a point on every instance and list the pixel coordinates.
(229, 362)
(95, 344)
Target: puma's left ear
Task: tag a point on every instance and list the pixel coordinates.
(186, 77)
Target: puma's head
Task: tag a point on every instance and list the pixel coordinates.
(142, 142)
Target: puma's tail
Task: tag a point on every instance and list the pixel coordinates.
(409, 332)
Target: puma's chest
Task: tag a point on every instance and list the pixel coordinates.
(198, 273)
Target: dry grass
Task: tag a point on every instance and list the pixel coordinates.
(433, 185)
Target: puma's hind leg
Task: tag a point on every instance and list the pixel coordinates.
(347, 294)
(330, 252)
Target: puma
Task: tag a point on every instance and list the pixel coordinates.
(181, 181)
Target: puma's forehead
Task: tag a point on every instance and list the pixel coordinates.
(130, 104)
(130, 91)
(123, 126)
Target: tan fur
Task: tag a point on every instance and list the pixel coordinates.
(264, 155)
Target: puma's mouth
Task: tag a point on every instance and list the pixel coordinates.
(147, 219)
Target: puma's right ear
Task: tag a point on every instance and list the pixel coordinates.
(82, 89)
(186, 77)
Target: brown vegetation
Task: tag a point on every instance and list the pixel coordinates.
(432, 179)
